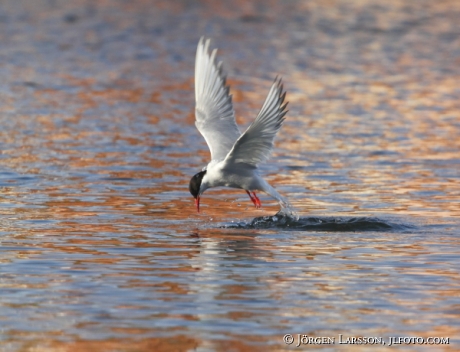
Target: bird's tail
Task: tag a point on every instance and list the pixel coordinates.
(286, 208)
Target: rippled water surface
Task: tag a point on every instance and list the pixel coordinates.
(101, 246)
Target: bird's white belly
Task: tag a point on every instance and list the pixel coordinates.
(236, 178)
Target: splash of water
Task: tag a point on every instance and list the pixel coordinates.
(330, 224)
(287, 211)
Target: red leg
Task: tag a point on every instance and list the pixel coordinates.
(254, 201)
(259, 204)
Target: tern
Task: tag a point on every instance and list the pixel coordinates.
(234, 156)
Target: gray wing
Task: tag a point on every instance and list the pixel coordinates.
(255, 145)
(215, 118)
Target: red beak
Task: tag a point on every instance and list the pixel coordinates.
(197, 204)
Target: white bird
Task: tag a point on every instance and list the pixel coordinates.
(234, 156)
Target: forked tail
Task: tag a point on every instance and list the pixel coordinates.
(286, 208)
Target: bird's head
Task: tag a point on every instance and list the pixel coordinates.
(195, 187)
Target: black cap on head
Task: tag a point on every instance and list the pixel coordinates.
(195, 183)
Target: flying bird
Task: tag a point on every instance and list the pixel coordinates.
(234, 156)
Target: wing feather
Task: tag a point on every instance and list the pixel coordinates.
(214, 115)
(255, 145)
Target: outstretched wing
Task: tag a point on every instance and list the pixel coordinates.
(255, 145)
(215, 118)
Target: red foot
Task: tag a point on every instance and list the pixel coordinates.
(259, 204)
(255, 200)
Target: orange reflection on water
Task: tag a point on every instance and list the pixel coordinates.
(102, 248)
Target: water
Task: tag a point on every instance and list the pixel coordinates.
(331, 224)
(101, 246)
